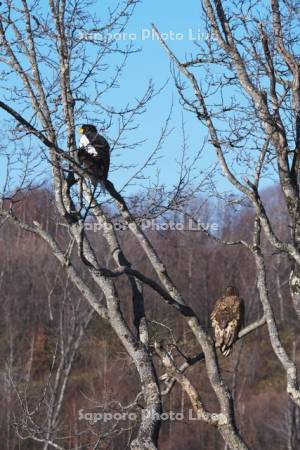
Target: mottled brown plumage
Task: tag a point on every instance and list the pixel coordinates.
(226, 319)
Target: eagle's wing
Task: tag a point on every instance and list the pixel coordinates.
(102, 154)
(226, 321)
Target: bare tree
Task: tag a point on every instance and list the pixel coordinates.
(55, 61)
(254, 48)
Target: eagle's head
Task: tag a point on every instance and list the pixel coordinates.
(87, 129)
(230, 291)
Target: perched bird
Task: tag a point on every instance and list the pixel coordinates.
(226, 319)
(94, 154)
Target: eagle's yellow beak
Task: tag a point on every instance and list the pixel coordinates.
(81, 130)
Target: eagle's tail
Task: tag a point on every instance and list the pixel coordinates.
(226, 351)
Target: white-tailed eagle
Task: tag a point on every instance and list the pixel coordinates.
(226, 319)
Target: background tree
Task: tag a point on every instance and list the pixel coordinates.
(55, 81)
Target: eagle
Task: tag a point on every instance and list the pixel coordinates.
(226, 319)
(94, 154)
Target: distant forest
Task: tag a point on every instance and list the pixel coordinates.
(40, 307)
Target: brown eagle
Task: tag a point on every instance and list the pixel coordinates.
(94, 154)
(226, 319)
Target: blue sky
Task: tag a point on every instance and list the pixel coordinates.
(171, 17)
(152, 63)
